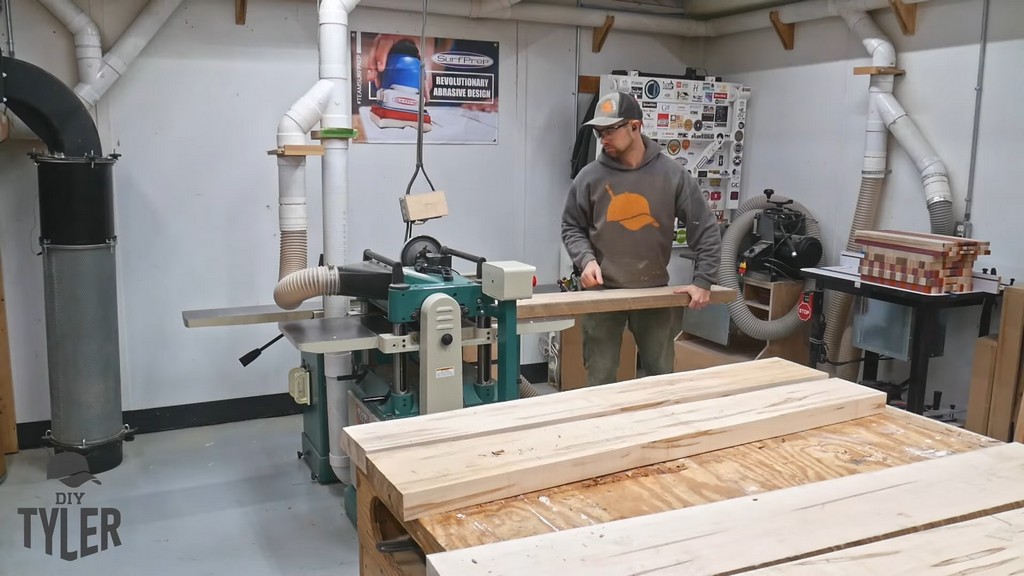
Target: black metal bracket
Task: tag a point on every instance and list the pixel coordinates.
(400, 544)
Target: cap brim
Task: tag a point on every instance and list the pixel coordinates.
(603, 121)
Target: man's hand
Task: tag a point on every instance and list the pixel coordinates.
(591, 275)
(699, 297)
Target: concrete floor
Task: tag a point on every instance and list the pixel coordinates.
(228, 499)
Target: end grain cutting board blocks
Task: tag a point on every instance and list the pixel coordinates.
(927, 263)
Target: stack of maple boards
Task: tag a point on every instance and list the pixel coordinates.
(447, 461)
(926, 263)
(994, 406)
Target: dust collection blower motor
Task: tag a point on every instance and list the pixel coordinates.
(780, 245)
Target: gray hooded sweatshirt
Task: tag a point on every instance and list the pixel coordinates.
(624, 218)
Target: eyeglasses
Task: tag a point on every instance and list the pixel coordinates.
(602, 132)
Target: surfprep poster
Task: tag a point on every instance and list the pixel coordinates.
(461, 89)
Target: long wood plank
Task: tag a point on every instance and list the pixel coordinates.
(440, 477)
(894, 438)
(611, 300)
(991, 545)
(580, 404)
(766, 529)
(1008, 359)
(8, 421)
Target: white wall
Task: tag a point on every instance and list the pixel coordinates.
(196, 193)
(806, 133)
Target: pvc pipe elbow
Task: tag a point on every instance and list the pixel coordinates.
(335, 11)
(888, 108)
(289, 132)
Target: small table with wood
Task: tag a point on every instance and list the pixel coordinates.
(924, 319)
(887, 439)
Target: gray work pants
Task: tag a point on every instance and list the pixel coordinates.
(654, 331)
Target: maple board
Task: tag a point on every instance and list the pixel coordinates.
(611, 300)
(990, 545)
(439, 477)
(650, 392)
(767, 529)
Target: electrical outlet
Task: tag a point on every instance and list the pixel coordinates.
(963, 229)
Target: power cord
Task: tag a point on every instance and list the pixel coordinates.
(419, 119)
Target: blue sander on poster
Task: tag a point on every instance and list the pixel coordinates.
(462, 89)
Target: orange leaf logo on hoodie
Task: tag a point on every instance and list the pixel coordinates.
(630, 209)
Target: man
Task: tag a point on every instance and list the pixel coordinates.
(618, 228)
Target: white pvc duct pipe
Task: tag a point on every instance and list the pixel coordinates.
(92, 87)
(88, 47)
(98, 72)
(328, 102)
(884, 113)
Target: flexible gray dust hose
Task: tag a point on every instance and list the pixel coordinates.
(837, 311)
(527, 390)
(727, 276)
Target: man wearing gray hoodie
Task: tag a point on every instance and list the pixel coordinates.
(618, 226)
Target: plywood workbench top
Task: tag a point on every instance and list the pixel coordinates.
(884, 440)
(873, 443)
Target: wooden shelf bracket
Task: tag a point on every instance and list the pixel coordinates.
(297, 150)
(601, 34)
(241, 8)
(786, 32)
(882, 70)
(906, 15)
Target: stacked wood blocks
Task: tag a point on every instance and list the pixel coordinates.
(926, 263)
(867, 523)
(441, 462)
(958, 514)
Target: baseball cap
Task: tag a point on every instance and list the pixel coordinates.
(614, 108)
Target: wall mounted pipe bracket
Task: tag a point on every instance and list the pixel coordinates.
(297, 150)
(880, 70)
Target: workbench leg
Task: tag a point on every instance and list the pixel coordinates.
(986, 316)
(924, 327)
(376, 524)
(816, 340)
(870, 373)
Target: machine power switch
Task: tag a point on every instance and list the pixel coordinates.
(508, 280)
(446, 339)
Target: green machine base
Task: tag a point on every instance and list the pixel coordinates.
(316, 447)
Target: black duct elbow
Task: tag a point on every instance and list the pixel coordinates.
(49, 108)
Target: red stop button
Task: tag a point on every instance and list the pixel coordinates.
(804, 311)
